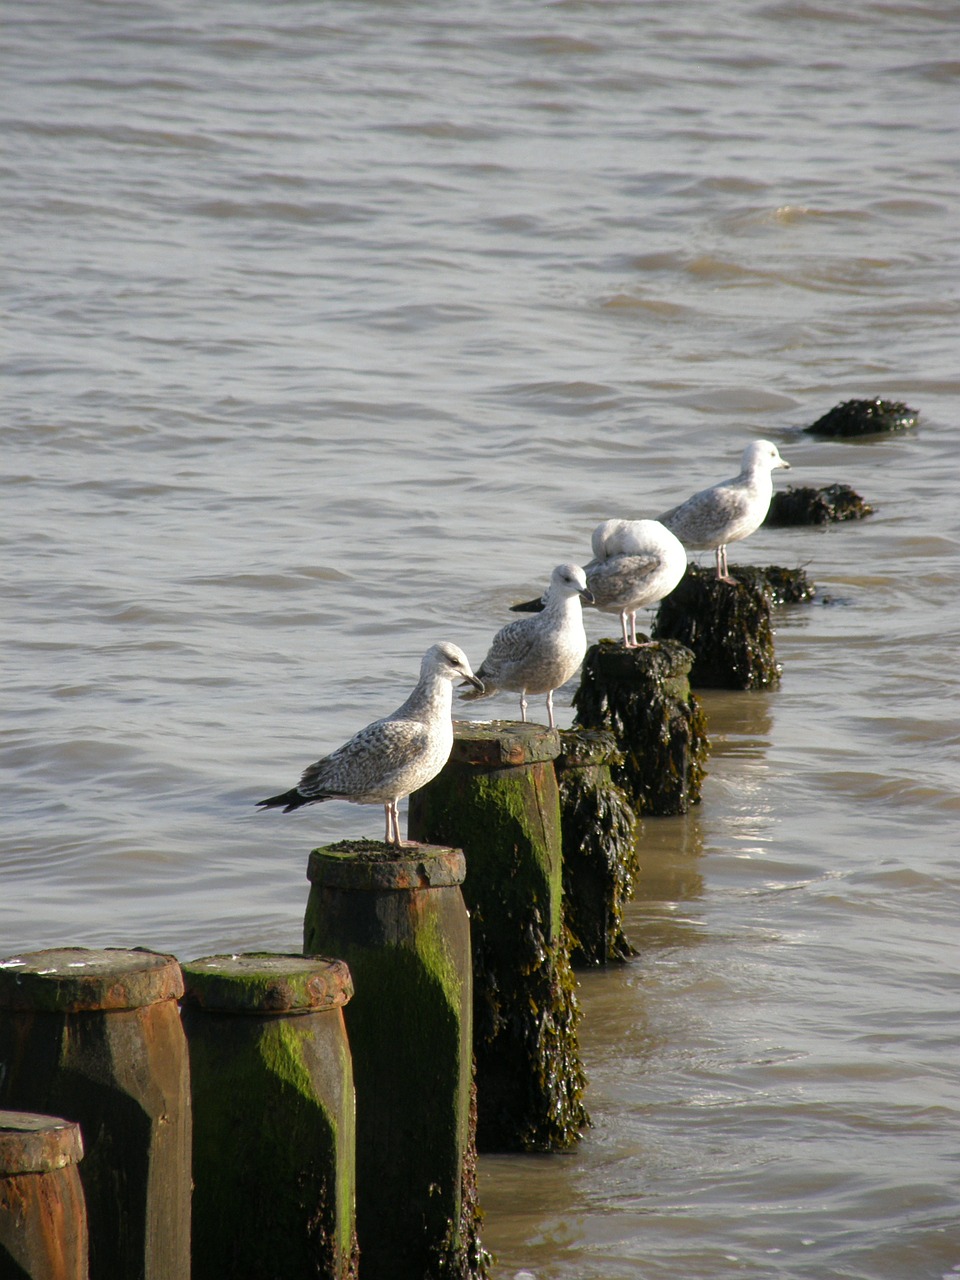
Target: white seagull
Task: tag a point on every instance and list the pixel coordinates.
(636, 563)
(391, 757)
(730, 510)
(539, 654)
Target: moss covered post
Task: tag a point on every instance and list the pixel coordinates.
(273, 1117)
(726, 625)
(95, 1036)
(43, 1215)
(643, 697)
(397, 917)
(497, 798)
(600, 863)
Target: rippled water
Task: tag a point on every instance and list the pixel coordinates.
(329, 330)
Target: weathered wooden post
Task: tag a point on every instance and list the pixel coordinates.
(643, 697)
(497, 798)
(95, 1036)
(43, 1216)
(600, 862)
(397, 917)
(726, 625)
(273, 1117)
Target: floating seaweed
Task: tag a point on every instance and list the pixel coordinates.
(865, 418)
(804, 506)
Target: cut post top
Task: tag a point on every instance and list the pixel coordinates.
(81, 979)
(266, 982)
(31, 1143)
(503, 742)
(373, 865)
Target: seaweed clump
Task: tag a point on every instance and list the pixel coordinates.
(804, 506)
(726, 625)
(643, 697)
(600, 863)
(865, 418)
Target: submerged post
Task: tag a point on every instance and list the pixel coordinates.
(397, 917)
(643, 697)
(600, 863)
(43, 1216)
(95, 1035)
(727, 627)
(497, 798)
(273, 1117)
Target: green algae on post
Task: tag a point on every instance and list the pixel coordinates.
(397, 917)
(497, 798)
(600, 863)
(269, 1058)
(643, 697)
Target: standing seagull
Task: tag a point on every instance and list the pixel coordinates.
(635, 563)
(396, 755)
(539, 654)
(731, 509)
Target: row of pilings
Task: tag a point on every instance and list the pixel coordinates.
(319, 1114)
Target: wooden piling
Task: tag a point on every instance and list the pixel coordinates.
(497, 798)
(43, 1216)
(600, 863)
(643, 697)
(727, 627)
(397, 917)
(95, 1035)
(273, 1117)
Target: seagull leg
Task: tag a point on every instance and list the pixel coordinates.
(623, 623)
(388, 836)
(523, 707)
(723, 572)
(550, 709)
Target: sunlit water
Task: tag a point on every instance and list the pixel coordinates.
(329, 330)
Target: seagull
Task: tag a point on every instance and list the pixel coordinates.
(635, 563)
(731, 509)
(538, 655)
(393, 756)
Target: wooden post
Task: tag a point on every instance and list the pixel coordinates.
(600, 863)
(273, 1117)
(643, 697)
(95, 1035)
(43, 1217)
(726, 625)
(497, 798)
(397, 918)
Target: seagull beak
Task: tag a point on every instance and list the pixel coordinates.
(588, 597)
(474, 680)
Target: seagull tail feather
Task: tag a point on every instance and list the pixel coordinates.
(528, 606)
(291, 799)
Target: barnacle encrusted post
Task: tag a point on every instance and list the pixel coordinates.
(643, 697)
(727, 627)
(600, 863)
(273, 1117)
(497, 798)
(397, 917)
(95, 1035)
